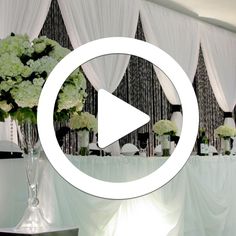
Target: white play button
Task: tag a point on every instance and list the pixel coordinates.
(116, 118)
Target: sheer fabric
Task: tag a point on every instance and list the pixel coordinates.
(219, 50)
(176, 34)
(22, 17)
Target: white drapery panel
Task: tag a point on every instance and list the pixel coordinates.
(176, 34)
(88, 20)
(20, 17)
(219, 50)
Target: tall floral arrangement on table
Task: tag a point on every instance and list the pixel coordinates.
(83, 123)
(225, 132)
(24, 68)
(164, 129)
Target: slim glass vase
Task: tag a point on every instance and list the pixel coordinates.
(225, 146)
(83, 142)
(165, 145)
(33, 219)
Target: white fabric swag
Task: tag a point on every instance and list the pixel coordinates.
(219, 50)
(87, 20)
(176, 34)
(20, 17)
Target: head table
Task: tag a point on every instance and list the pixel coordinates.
(199, 201)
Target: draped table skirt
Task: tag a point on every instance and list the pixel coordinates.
(199, 201)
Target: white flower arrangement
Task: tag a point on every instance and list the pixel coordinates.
(24, 68)
(164, 127)
(225, 131)
(83, 121)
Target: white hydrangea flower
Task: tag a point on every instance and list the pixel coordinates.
(18, 45)
(225, 131)
(26, 94)
(59, 53)
(45, 63)
(7, 84)
(5, 107)
(163, 127)
(39, 47)
(11, 66)
(71, 96)
(82, 121)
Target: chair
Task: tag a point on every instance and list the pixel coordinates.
(129, 149)
(158, 150)
(212, 150)
(9, 149)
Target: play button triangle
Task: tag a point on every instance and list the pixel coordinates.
(116, 118)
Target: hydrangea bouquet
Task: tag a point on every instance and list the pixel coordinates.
(164, 127)
(225, 131)
(24, 68)
(83, 123)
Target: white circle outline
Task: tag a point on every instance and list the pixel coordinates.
(151, 182)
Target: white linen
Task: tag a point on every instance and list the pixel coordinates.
(176, 34)
(219, 50)
(20, 17)
(200, 200)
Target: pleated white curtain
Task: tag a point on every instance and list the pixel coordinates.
(20, 17)
(87, 20)
(219, 50)
(176, 34)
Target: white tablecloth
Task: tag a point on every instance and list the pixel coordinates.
(199, 201)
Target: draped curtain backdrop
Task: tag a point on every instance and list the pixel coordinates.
(176, 34)
(20, 17)
(87, 20)
(219, 50)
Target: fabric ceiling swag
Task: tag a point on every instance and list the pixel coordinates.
(88, 20)
(20, 17)
(179, 36)
(219, 50)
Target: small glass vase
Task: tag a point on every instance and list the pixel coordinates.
(83, 142)
(225, 146)
(33, 219)
(165, 145)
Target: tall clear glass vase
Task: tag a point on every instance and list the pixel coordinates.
(33, 218)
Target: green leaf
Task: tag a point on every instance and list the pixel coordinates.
(23, 114)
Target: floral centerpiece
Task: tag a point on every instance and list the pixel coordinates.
(83, 123)
(24, 68)
(164, 129)
(225, 132)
